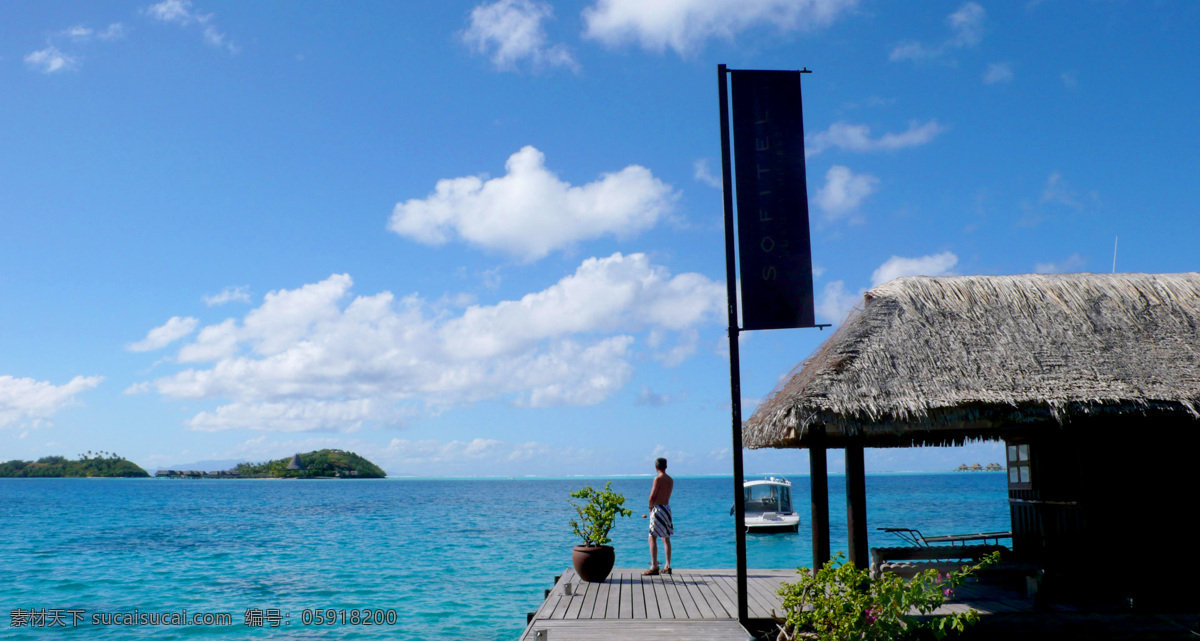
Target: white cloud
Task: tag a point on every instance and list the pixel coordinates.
(530, 212)
(844, 191)
(303, 415)
(114, 31)
(967, 25)
(182, 13)
(78, 33)
(174, 329)
(315, 358)
(673, 355)
(569, 373)
(1057, 191)
(472, 457)
(239, 294)
(617, 293)
(469, 456)
(676, 458)
(836, 303)
(701, 173)
(83, 33)
(649, 398)
(214, 343)
(998, 73)
(51, 60)
(25, 401)
(684, 25)
(858, 138)
(177, 11)
(1072, 263)
(898, 267)
(966, 30)
(912, 50)
(510, 32)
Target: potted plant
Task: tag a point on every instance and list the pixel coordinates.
(595, 558)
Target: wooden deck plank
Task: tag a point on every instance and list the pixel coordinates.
(626, 611)
(547, 609)
(551, 600)
(610, 598)
(576, 604)
(729, 585)
(654, 586)
(688, 593)
(727, 600)
(662, 586)
(641, 605)
(589, 600)
(581, 591)
(758, 605)
(560, 607)
(704, 588)
(673, 597)
(644, 630)
(767, 587)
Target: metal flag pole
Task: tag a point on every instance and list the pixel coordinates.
(735, 375)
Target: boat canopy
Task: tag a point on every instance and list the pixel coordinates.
(767, 496)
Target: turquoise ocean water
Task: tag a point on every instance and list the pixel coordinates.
(454, 559)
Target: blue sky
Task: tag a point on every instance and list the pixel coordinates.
(467, 238)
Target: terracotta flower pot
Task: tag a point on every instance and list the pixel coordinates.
(593, 564)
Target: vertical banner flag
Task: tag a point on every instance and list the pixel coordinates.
(775, 257)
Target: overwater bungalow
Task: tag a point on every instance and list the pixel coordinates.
(1092, 381)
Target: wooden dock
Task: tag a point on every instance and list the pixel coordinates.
(686, 605)
(701, 605)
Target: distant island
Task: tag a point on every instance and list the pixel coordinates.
(98, 465)
(318, 464)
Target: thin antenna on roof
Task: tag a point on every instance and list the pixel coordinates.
(1115, 238)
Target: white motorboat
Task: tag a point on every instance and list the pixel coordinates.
(769, 506)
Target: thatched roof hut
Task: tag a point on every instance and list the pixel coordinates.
(295, 463)
(937, 361)
(1065, 369)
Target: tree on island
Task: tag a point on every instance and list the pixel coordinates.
(327, 463)
(104, 464)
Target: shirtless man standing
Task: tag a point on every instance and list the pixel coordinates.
(660, 517)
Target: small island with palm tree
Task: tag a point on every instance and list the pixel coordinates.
(318, 464)
(89, 465)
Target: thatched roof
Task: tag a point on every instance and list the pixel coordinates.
(295, 463)
(935, 361)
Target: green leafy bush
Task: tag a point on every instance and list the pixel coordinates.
(598, 515)
(841, 602)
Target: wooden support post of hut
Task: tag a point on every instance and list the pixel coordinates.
(1091, 380)
(818, 474)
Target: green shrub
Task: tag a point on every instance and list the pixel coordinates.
(840, 602)
(598, 515)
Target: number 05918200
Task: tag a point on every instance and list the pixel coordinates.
(331, 616)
